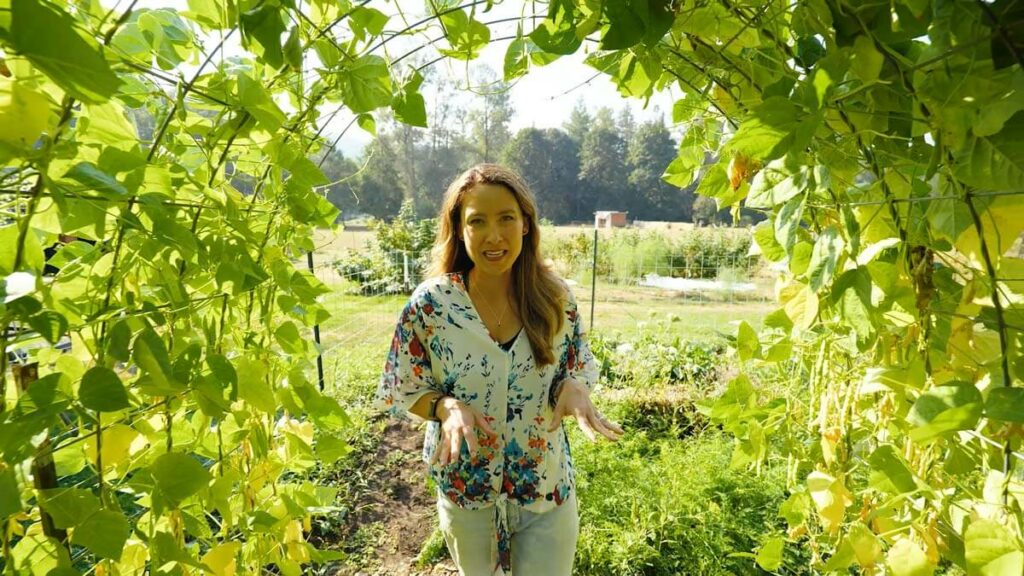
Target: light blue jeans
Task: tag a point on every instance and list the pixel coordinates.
(542, 544)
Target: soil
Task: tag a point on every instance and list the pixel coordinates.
(402, 507)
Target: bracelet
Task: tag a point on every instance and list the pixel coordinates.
(432, 412)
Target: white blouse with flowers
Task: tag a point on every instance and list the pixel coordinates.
(442, 345)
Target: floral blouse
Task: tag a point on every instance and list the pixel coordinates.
(442, 345)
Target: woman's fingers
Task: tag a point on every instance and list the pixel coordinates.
(471, 442)
(608, 429)
(441, 452)
(586, 427)
(484, 425)
(556, 419)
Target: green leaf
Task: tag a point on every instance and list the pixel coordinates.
(104, 534)
(747, 343)
(1005, 405)
(50, 325)
(101, 390)
(329, 449)
(150, 354)
(465, 35)
(94, 179)
(67, 56)
(178, 476)
(768, 132)
(774, 185)
(257, 101)
(517, 58)
(825, 258)
(367, 123)
(253, 386)
(365, 84)
(886, 460)
(264, 26)
(557, 33)
(992, 550)
(906, 558)
(69, 507)
(788, 222)
(288, 337)
(764, 236)
(866, 61)
(853, 288)
(945, 409)
(633, 21)
(994, 162)
(208, 13)
(10, 495)
(769, 556)
(408, 104)
(119, 341)
(367, 21)
(293, 49)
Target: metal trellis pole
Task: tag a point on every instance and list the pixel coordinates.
(316, 333)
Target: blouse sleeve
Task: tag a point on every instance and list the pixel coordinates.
(407, 374)
(576, 361)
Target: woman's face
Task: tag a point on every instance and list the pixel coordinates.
(493, 227)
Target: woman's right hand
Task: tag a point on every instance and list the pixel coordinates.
(458, 422)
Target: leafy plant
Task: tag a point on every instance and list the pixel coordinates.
(395, 261)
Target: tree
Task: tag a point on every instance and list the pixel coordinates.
(339, 171)
(602, 178)
(377, 189)
(548, 160)
(579, 122)
(489, 122)
(650, 151)
(626, 123)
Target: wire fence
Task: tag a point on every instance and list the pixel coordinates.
(712, 285)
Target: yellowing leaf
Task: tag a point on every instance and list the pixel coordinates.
(133, 558)
(120, 443)
(221, 559)
(800, 304)
(1001, 223)
(24, 113)
(831, 498)
(906, 558)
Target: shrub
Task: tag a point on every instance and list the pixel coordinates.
(396, 259)
(652, 360)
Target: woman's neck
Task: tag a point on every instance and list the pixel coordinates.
(490, 284)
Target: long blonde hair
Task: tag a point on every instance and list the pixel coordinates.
(538, 293)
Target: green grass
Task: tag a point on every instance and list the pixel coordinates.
(658, 506)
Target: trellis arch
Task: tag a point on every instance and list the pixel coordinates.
(882, 139)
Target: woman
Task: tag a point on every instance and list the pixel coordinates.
(490, 351)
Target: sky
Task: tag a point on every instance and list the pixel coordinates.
(542, 99)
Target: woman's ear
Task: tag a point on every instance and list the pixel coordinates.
(526, 227)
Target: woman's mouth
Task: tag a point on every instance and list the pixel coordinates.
(495, 254)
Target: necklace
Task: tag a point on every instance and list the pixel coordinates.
(491, 310)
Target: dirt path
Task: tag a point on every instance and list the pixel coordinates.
(401, 508)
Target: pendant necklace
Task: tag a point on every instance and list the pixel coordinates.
(491, 310)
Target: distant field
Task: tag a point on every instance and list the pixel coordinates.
(331, 243)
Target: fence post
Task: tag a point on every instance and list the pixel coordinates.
(316, 333)
(44, 471)
(593, 280)
(405, 270)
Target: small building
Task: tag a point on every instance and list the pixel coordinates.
(609, 219)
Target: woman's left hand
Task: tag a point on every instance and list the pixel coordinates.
(574, 401)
